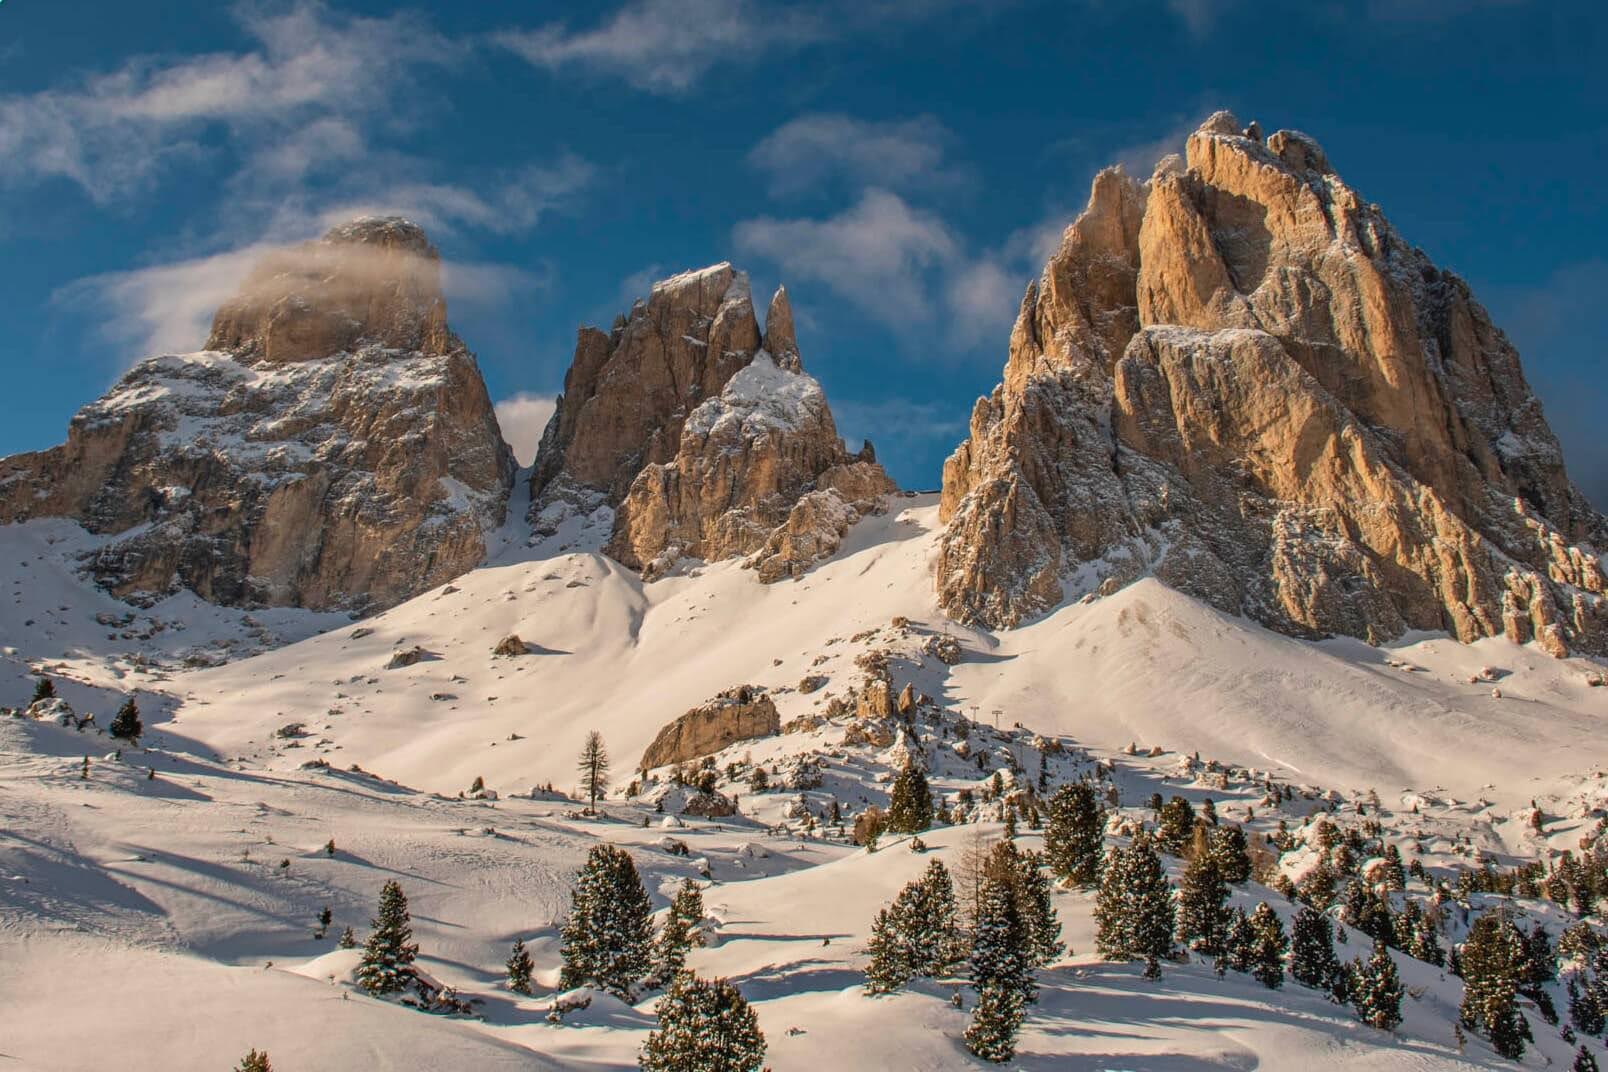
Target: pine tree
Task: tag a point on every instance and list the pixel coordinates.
(607, 939)
(998, 1017)
(1376, 989)
(1203, 915)
(44, 689)
(676, 936)
(1312, 959)
(519, 968)
(910, 804)
(1268, 946)
(1239, 947)
(1493, 962)
(1583, 1061)
(593, 764)
(917, 935)
(1230, 852)
(889, 967)
(126, 724)
(348, 940)
(255, 1061)
(1037, 908)
(1585, 1011)
(1174, 825)
(1134, 915)
(1391, 873)
(387, 965)
(1002, 952)
(704, 1026)
(1074, 839)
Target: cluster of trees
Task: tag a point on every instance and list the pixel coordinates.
(608, 941)
(1007, 931)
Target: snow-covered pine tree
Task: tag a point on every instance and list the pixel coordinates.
(1312, 959)
(704, 1026)
(348, 940)
(1584, 1061)
(910, 803)
(519, 968)
(1134, 916)
(126, 724)
(1268, 946)
(1493, 960)
(607, 939)
(678, 932)
(1002, 941)
(1585, 1012)
(1392, 875)
(1239, 946)
(1074, 838)
(1376, 989)
(1174, 825)
(255, 1061)
(1044, 926)
(889, 967)
(995, 1022)
(934, 933)
(593, 763)
(44, 689)
(1202, 912)
(1230, 852)
(387, 965)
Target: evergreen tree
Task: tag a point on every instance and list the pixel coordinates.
(44, 689)
(676, 936)
(910, 804)
(1268, 946)
(1416, 933)
(889, 967)
(1376, 989)
(348, 940)
(1203, 914)
(1585, 1012)
(1174, 825)
(593, 764)
(607, 939)
(1002, 944)
(1239, 947)
(387, 965)
(126, 724)
(519, 968)
(1583, 1061)
(1493, 964)
(1312, 959)
(1074, 839)
(1391, 873)
(991, 1034)
(1033, 892)
(1230, 852)
(1134, 916)
(917, 935)
(255, 1061)
(704, 1026)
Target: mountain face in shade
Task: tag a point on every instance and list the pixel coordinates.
(333, 447)
(1239, 378)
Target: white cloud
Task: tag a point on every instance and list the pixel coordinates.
(813, 149)
(523, 418)
(666, 46)
(878, 254)
(307, 81)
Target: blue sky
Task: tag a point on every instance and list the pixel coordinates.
(902, 166)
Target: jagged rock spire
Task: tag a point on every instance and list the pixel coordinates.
(1239, 378)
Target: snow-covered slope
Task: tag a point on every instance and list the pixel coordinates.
(192, 895)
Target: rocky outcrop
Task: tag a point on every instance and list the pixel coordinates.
(1238, 377)
(334, 447)
(739, 714)
(704, 435)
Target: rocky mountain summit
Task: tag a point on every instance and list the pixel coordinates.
(702, 436)
(333, 447)
(1238, 377)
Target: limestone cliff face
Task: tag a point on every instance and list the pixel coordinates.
(334, 447)
(1237, 376)
(704, 435)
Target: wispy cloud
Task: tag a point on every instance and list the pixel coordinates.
(901, 423)
(819, 148)
(666, 46)
(307, 80)
(878, 254)
(523, 418)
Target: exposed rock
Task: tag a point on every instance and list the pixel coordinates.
(739, 714)
(810, 683)
(704, 435)
(1238, 377)
(406, 657)
(875, 699)
(334, 447)
(945, 649)
(907, 699)
(713, 805)
(510, 646)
